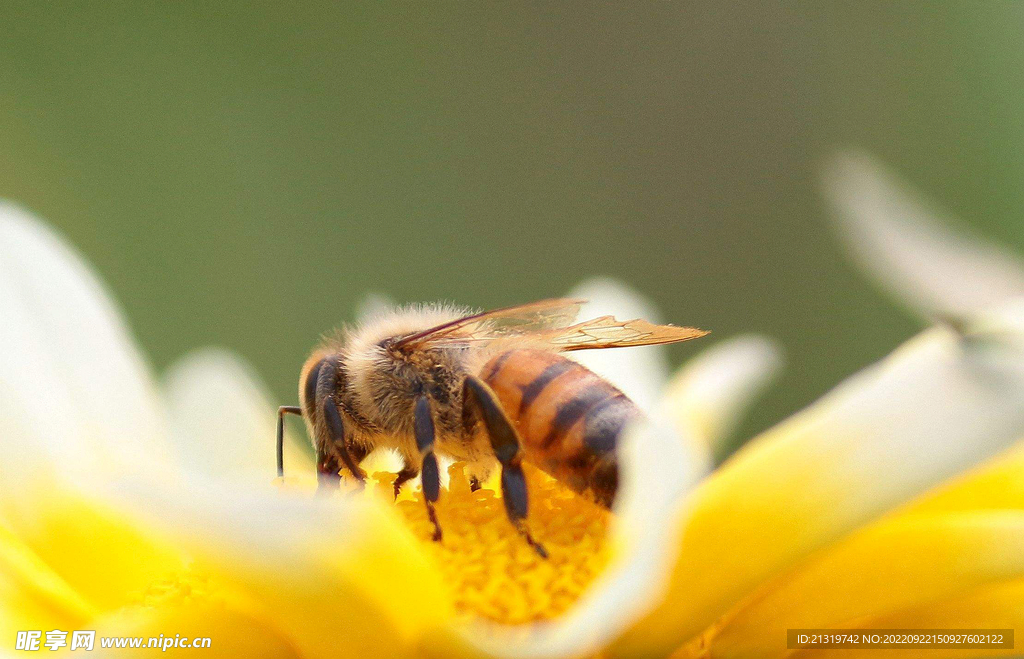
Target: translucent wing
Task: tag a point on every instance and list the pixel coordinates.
(609, 332)
(547, 324)
(518, 321)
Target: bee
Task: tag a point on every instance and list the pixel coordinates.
(486, 389)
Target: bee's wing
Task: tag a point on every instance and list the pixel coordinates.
(546, 324)
(518, 321)
(609, 332)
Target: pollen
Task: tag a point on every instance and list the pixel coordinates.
(492, 572)
(185, 587)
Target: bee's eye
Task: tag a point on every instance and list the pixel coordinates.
(310, 387)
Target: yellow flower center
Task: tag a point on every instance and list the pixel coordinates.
(493, 573)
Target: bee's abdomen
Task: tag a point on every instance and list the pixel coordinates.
(569, 418)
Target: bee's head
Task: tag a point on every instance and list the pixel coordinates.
(320, 376)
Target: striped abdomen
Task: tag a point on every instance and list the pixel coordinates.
(568, 417)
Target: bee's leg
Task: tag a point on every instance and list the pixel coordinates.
(327, 478)
(327, 468)
(336, 427)
(423, 424)
(358, 453)
(407, 473)
(281, 411)
(470, 419)
(507, 449)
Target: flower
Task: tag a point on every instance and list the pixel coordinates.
(139, 509)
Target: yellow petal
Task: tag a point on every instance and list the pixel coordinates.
(996, 484)
(343, 577)
(934, 408)
(232, 626)
(102, 557)
(32, 595)
(887, 568)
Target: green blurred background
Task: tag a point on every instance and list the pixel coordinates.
(243, 175)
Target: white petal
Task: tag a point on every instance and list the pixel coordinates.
(710, 392)
(912, 249)
(74, 390)
(640, 373)
(373, 305)
(223, 422)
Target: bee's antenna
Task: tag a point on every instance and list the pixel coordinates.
(281, 411)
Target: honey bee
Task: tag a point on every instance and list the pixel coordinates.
(482, 388)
